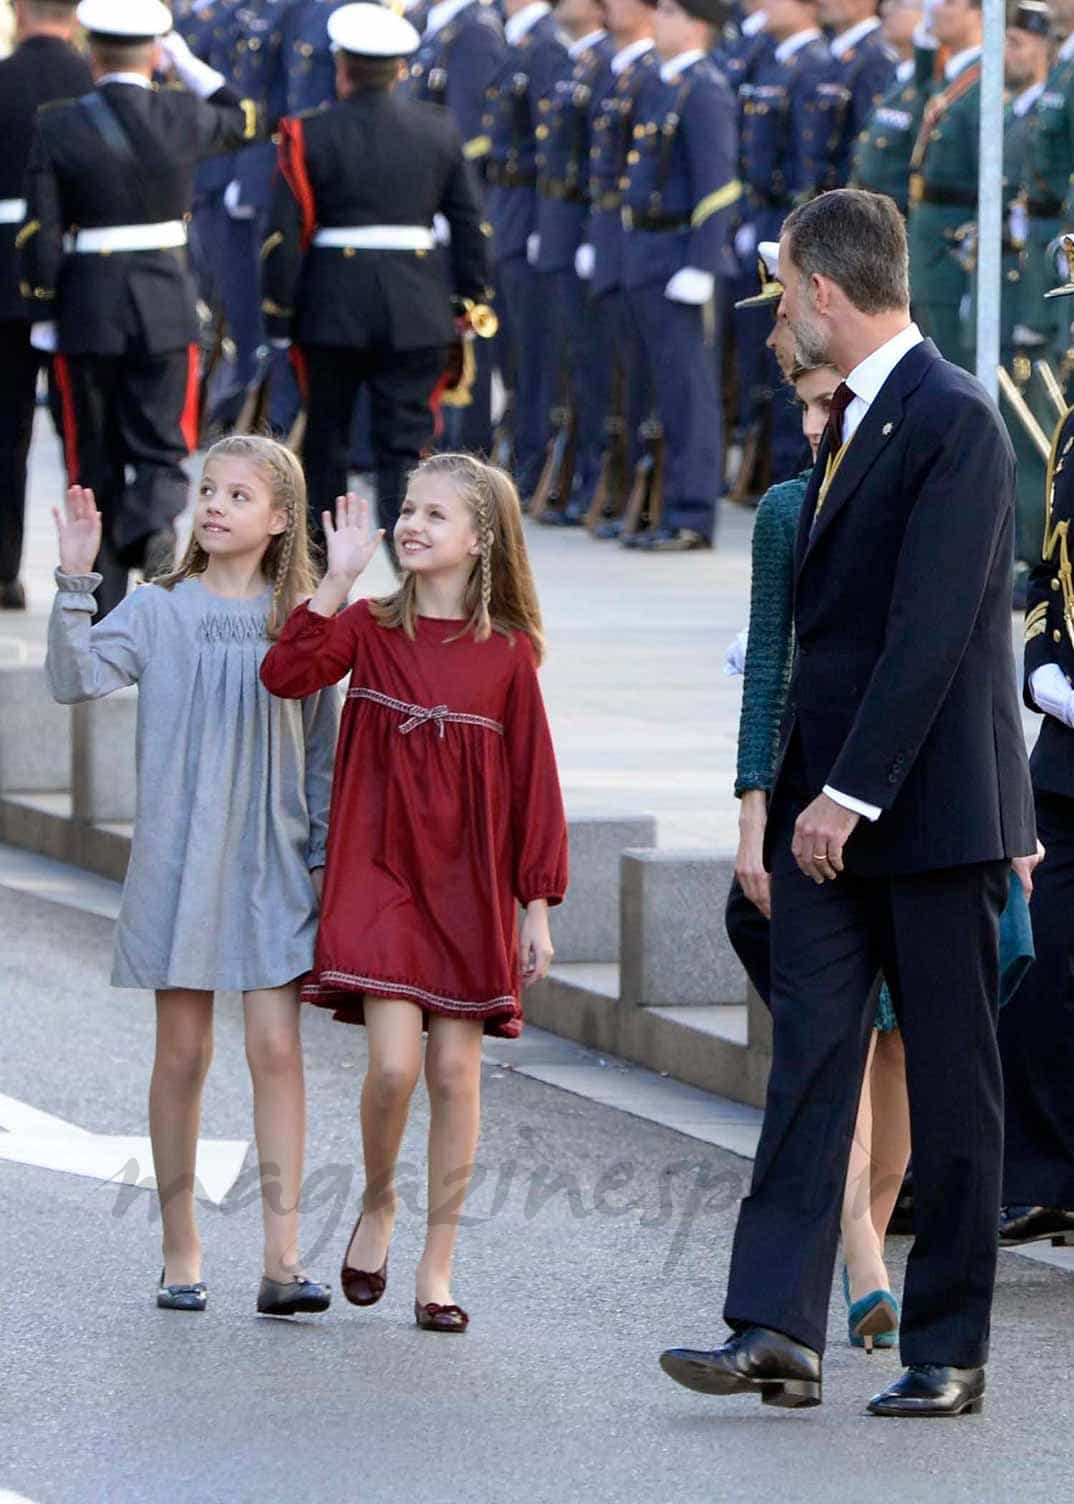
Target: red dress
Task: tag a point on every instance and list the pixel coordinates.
(446, 812)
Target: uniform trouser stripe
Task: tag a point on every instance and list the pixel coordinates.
(188, 423)
(70, 417)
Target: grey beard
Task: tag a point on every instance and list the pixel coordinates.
(810, 348)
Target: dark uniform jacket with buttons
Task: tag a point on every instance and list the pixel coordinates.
(309, 64)
(39, 71)
(455, 66)
(681, 181)
(903, 692)
(617, 109)
(563, 144)
(1049, 628)
(779, 144)
(78, 181)
(881, 161)
(513, 102)
(854, 86)
(375, 159)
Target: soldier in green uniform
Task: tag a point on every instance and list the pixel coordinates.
(1026, 60)
(1046, 188)
(943, 181)
(882, 154)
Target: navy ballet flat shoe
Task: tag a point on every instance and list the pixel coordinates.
(181, 1297)
(873, 1321)
(292, 1297)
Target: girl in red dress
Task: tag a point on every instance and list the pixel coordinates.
(446, 816)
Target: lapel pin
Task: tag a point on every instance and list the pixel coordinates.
(887, 429)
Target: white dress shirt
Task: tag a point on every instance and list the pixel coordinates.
(630, 54)
(671, 70)
(865, 381)
(842, 44)
(523, 21)
(960, 62)
(790, 45)
(904, 72)
(1066, 52)
(1025, 101)
(443, 12)
(754, 23)
(591, 39)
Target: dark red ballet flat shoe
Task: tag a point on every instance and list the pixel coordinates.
(434, 1318)
(363, 1287)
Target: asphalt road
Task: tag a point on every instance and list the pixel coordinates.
(596, 1239)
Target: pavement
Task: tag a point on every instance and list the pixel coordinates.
(598, 1229)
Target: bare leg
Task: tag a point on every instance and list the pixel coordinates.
(862, 1249)
(394, 1029)
(891, 1127)
(274, 1055)
(453, 1076)
(183, 1054)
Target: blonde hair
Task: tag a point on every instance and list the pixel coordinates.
(286, 561)
(500, 594)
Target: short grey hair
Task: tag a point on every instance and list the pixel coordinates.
(858, 241)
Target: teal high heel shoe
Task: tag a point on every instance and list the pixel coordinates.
(873, 1321)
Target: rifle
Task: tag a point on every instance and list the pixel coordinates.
(554, 486)
(646, 499)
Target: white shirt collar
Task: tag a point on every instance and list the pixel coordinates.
(138, 79)
(1022, 103)
(904, 71)
(790, 45)
(960, 62)
(754, 23)
(523, 21)
(583, 44)
(676, 66)
(630, 54)
(443, 12)
(842, 44)
(1066, 52)
(869, 375)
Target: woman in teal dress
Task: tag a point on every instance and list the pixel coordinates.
(880, 1150)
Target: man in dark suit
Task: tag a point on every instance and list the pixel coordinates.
(118, 164)
(350, 265)
(43, 67)
(901, 799)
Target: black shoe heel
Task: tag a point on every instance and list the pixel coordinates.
(976, 1408)
(791, 1394)
(1061, 1240)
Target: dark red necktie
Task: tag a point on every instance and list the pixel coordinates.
(842, 397)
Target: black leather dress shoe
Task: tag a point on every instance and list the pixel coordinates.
(754, 1361)
(671, 540)
(292, 1297)
(1034, 1224)
(12, 595)
(932, 1389)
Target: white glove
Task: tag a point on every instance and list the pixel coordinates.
(533, 248)
(43, 337)
(280, 344)
(691, 285)
(1049, 688)
(745, 242)
(233, 202)
(585, 260)
(734, 660)
(1018, 222)
(441, 230)
(199, 78)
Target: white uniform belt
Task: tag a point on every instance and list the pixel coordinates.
(12, 211)
(163, 237)
(376, 238)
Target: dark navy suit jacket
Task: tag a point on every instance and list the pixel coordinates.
(903, 692)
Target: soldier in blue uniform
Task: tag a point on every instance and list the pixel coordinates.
(310, 74)
(861, 72)
(1035, 1038)
(536, 58)
(461, 55)
(778, 160)
(563, 138)
(679, 190)
(633, 70)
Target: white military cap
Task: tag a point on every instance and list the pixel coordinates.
(372, 31)
(129, 19)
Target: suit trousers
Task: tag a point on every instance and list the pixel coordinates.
(18, 392)
(935, 936)
(532, 365)
(400, 384)
(1036, 1033)
(129, 422)
(682, 368)
(750, 935)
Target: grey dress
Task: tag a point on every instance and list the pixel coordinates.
(233, 785)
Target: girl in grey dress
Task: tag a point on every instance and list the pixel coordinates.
(230, 826)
